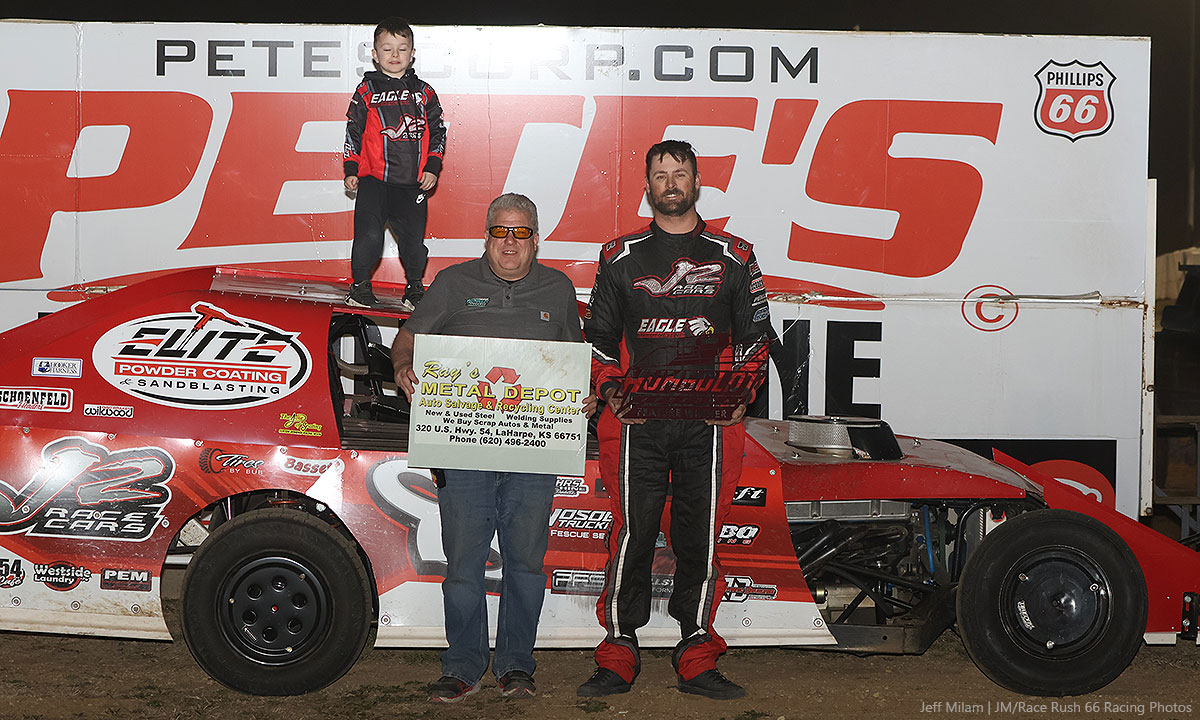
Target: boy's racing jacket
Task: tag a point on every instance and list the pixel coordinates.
(664, 302)
(394, 129)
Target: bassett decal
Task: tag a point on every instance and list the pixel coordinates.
(206, 359)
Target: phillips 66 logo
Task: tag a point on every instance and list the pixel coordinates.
(1074, 99)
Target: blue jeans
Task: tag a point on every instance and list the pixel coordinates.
(473, 506)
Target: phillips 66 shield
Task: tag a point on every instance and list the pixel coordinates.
(1074, 99)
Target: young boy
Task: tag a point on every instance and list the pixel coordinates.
(395, 140)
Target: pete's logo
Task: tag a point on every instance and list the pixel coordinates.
(1074, 99)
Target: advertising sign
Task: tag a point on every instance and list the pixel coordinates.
(953, 229)
(499, 404)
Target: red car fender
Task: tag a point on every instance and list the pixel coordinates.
(1170, 569)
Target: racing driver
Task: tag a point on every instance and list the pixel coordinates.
(660, 293)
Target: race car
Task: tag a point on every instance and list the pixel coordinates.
(243, 424)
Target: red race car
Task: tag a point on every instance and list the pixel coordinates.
(243, 424)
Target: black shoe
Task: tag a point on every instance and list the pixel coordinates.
(360, 295)
(603, 682)
(517, 684)
(712, 684)
(450, 689)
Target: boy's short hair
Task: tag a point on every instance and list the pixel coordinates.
(678, 149)
(395, 25)
(516, 202)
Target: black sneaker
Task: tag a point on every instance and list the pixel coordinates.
(603, 682)
(517, 684)
(712, 684)
(450, 689)
(360, 295)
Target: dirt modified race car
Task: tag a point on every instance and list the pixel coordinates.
(240, 424)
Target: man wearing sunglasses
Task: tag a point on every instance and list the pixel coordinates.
(675, 290)
(506, 293)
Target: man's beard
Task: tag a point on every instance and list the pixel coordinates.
(676, 206)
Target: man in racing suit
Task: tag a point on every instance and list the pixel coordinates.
(665, 291)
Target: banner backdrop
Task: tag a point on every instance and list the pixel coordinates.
(891, 184)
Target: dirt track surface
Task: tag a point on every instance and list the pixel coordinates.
(47, 677)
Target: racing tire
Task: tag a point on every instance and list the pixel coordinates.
(276, 602)
(1052, 603)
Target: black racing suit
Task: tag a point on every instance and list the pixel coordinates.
(657, 296)
(394, 134)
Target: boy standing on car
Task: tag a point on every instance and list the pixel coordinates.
(660, 294)
(395, 141)
(505, 294)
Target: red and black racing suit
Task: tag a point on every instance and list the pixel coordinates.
(655, 295)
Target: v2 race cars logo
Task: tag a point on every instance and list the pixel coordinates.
(1074, 99)
(206, 359)
(84, 491)
(687, 279)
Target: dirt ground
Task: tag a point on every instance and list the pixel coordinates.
(45, 677)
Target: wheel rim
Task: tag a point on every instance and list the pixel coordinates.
(1056, 602)
(273, 610)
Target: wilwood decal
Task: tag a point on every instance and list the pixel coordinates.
(207, 359)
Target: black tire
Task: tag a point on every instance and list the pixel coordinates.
(1052, 603)
(276, 602)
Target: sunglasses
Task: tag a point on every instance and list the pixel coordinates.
(501, 231)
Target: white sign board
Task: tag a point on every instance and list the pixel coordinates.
(499, 404)
(893, 181)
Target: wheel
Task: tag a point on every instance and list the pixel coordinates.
(1052, 603)
(276, 602)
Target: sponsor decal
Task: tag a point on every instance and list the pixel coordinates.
(752, 496)
(545, 316)
(205, 359)
(576, 582)
(674, 327)
(741, 589)
(565, 486)
(61, 575)
(214, 461)
(410, 128)
(688, 279)
(125, 579)
(478, 302)
(12, 572)
(57, 367)
(295, 423)
(572, 519)
(85, 491)
(117, 411)
(756, 285)
(390, 97)
(761, 314)
(737, 534)
(1074, 99)
(591, 582)
(40, 399)
(312, 468)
